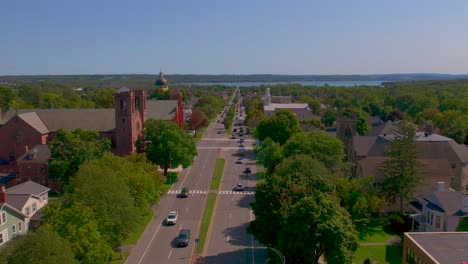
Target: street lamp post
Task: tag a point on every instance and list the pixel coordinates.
(282, 257)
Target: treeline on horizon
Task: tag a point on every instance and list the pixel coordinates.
(147, 80)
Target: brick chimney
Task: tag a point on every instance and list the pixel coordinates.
(2, 194)
(428, 129)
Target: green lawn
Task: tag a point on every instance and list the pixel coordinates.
(205, 223)
(377, 231)
(218, 173)
(379, 254)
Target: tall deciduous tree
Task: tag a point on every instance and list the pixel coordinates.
(167, 145)
(280, 127)
(99, 187)
(78, 224)
(296, 202)
(197, 119)
(269, 154)
(401, 170)
(325, 148)
(41, 246)
(70, 149)
(454, 124)
(318, 226)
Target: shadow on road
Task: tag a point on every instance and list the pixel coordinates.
(235, 257)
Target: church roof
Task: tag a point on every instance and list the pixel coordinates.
(161, 109)
(101, 120)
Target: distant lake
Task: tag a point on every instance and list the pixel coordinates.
(303, 83)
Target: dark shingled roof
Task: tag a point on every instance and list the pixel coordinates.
(18, 200)
(304, 114)
(448, 200)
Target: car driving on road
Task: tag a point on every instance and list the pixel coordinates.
(184, 238)
(248, 170)
(184, 192)
(239, 161)
(172, 218)
(240, 187)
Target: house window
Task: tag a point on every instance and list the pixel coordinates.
(4, 218)
(34, 207)
(20, 226)
(13, 229)
(437, 223)
(28, 211)
(1, 238)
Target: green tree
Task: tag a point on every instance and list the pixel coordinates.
(167, 145)
(78, 224)
(294, 178)
(463, 225)
(325, 148)
(359, 197)
(99, 186)
(318, 226)
(401, 170)
(454, 124)
(70, 149)
(42, 246)
(280, 127)
(269, 154)
(329, 117)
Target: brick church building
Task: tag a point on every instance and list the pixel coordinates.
(25, 133)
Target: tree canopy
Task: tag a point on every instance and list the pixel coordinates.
(70, 149)
(401, 170)
(280, 127)
(167, 145)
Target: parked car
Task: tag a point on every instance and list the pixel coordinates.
(184, 238)
(184, 192)
(248, 170)
(240, 187)
(172, 218)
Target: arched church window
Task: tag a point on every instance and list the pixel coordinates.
(123, 106)
(137, 103)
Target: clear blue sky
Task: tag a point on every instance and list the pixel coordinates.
(233, 36)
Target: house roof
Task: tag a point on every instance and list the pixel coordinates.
(33, 119)
(388, 127)
(13, 209)
(442, 247)
(363, 144)
(373, 121)
(448, 200)
(40, 153)
(431, 170)
(28, 187)
(161, 109)
(273, 107)
(18, 200)
(308, 127)
(304, 114)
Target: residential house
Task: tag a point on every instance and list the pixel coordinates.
(20, 209)
(440, 211)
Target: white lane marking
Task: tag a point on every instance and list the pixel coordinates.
(227, 239)
(170, 253)
(180, 227)
(186, 176)
(186, 210)
(151, 241)
(230, 216)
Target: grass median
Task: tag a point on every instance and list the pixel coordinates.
(209, 206)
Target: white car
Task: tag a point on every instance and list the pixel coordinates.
(172, 218)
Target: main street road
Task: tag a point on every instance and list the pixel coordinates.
(157, 243)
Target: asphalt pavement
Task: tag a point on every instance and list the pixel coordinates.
(228, 241)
